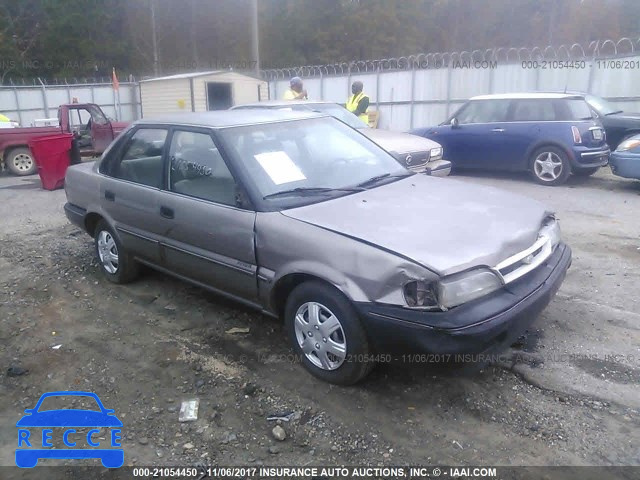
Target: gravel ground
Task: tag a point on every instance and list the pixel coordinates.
(566, 394)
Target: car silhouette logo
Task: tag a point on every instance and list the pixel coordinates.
(27, 455)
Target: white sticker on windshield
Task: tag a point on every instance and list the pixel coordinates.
(279, 167)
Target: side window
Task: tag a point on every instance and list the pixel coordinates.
(484, 111)
(198, 170)
(97, 116)
(533, 111)
(141, 161)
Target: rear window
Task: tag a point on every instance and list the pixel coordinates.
(577, 109)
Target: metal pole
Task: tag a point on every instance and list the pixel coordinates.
(413, 84)
(154, 40)
(44, 98)
(15, 93)
(378, 90)
(590, 80)
(448, 89)
(115, 103)
(194, 35)
(255, 37)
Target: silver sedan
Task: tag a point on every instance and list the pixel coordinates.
(301, 217)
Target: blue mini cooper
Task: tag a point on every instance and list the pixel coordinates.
(551, 135)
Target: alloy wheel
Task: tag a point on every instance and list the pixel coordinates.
(548, 166)
(108, 252)
(22, 162)
(320, 336)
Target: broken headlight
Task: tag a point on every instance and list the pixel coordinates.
(551, 230)
(419, 294)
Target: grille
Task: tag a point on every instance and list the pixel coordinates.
(414, 159)
(523, 262)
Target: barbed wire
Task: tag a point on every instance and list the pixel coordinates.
(576, 51)
(67, 81)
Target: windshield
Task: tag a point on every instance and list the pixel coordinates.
(602, 106)
(318, 153)
(340, 113)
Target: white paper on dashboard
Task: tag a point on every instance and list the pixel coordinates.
(279, 167)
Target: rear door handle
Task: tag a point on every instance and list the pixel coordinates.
(109, 195)
(497, 129)
(166, 212)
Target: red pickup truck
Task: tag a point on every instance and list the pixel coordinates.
(93, 130)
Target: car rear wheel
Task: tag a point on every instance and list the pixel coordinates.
(585, 172)
(20, 161)
(115, 262)
(326, 334)
(550, 166)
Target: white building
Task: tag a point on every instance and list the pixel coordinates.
(199, 92)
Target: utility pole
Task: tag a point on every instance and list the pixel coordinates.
(194, 35)
(552, 22)
(255, 39)
(156, 69)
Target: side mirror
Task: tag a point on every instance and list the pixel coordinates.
(454, 123)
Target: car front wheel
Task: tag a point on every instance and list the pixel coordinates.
(326, 334)
(115, 262)
(550, 166)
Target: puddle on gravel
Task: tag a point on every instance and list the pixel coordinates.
(528, 342)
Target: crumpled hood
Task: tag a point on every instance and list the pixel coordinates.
(399, 142)
(443, 224)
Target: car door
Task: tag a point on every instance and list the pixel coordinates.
(130, 189)
(527, 118)
(210, 239)
(101, 130)
(475, 140)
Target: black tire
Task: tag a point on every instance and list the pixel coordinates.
(126, 268)
(20, 161)
(585, 172)
(357, 362)
(556, 155)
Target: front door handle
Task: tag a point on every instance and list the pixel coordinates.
(166, 212)
(109, 195)
(497, 129)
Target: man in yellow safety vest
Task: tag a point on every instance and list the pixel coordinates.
(358, 103)
(296, 90)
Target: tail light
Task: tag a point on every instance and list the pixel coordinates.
(576, 134)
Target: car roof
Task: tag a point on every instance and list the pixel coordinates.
(281, 103)
(227, 118)
(527, 96)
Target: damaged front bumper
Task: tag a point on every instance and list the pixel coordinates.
(488, 323)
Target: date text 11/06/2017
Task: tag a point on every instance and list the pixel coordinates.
(417, 472)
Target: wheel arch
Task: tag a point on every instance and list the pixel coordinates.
(543, 144)
(5, 150)
(287, 283)
(91, 221)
